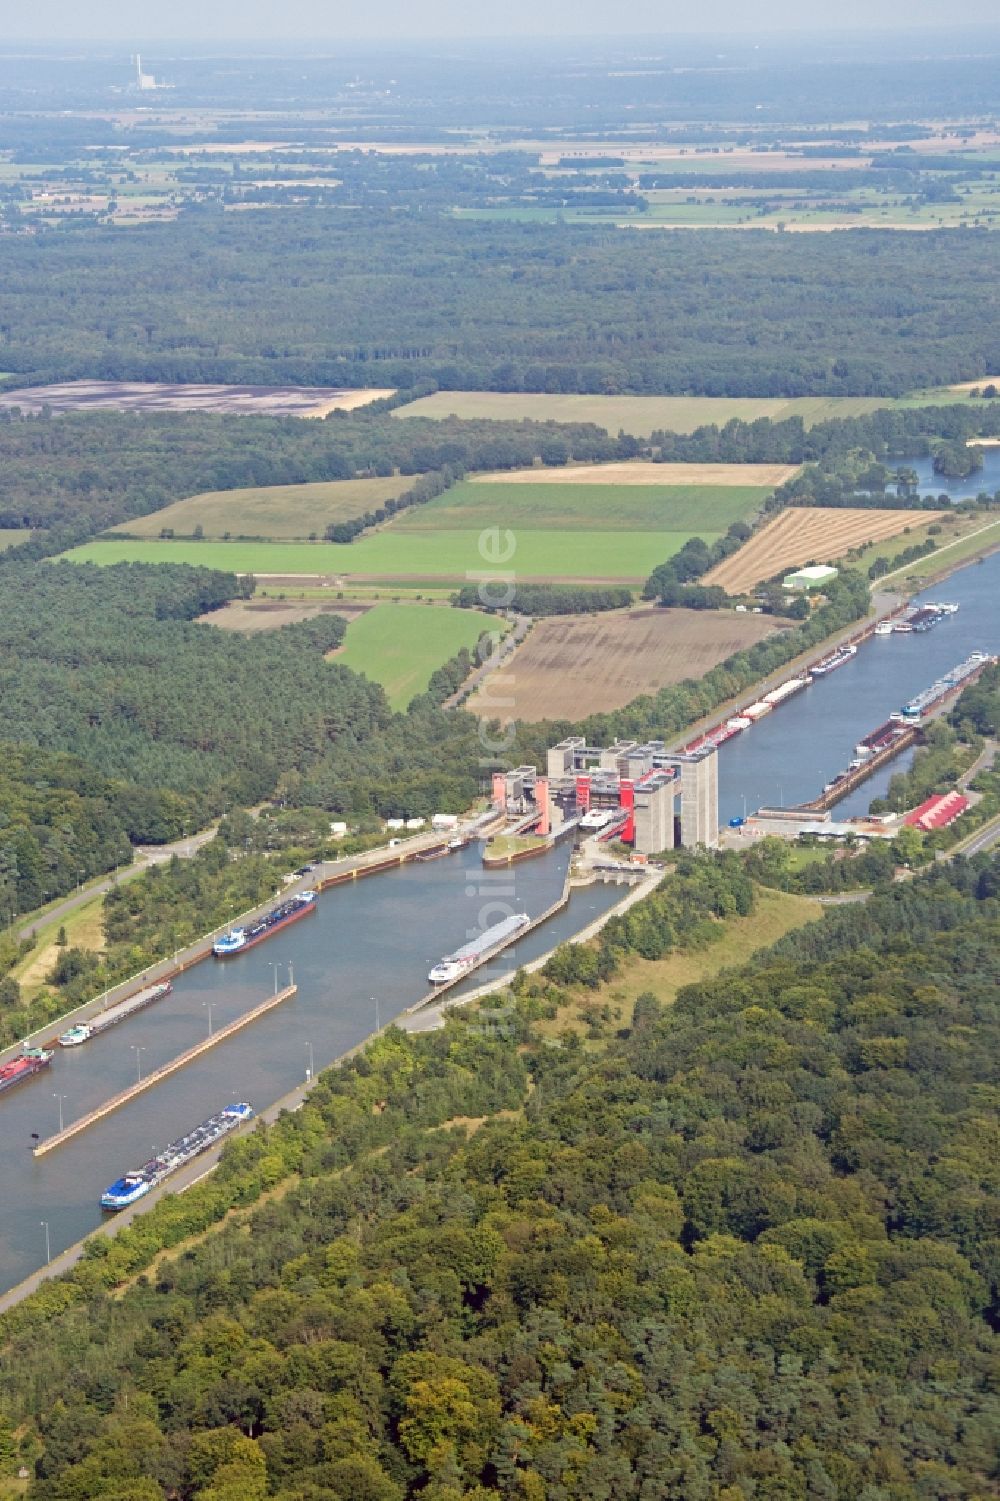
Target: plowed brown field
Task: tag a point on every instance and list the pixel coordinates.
(814, 534)
(573, 665)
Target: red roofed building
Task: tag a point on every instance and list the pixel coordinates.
(937, 812)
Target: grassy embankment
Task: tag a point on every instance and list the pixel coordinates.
(84, 929)
(956, 536)
(777, 913)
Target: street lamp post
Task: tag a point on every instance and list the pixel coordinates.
(60, 1098)
(48, 1248)
(309, 1070)
(208, 1008)
(138, 1051)
(374, 1001)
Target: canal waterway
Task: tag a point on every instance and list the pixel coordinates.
(363, 957)
(788, 756)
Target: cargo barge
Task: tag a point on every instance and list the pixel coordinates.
(878, 740)
(453, 966)
(897, 733)
(914, 711)
(84, 1031)
(238, 940)
(833, 661)
(31, 1062)
(920, 620)
(134, 1185)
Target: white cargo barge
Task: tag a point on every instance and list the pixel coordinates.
(110, 1017)
(453, 966)
(785, 690)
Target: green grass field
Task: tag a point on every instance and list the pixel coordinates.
(638, 415)
(284, 512)
(400, 646)
(626, 555)
(569, 507)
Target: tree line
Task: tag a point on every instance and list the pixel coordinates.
(548, 599)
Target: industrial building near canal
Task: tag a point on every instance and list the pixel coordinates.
(655, 799)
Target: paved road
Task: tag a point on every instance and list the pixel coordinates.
(983, 839)
(983, 762)
(146, 856)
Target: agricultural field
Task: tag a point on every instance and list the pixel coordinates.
(401, 646)
(281, 512)
(572, 507)
(573, 665)
(252, 616)
(12, 536)
(641, 472)
(816, 534)
(139, 396)
(592, 556)
(639, 415)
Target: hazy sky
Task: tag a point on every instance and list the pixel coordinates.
(288, 20)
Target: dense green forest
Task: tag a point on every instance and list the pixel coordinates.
(111, 665)
(344, 297)
(61, 822)
(891, 433)
(743, 1249)
(88, 471)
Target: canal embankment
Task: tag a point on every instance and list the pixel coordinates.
(325, 874)
(158, 1075)
(427, 1017)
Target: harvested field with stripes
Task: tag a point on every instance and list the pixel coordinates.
(639, 472)
(814, 534)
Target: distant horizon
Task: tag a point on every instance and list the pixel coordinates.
(12, 45)
(304, 22)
